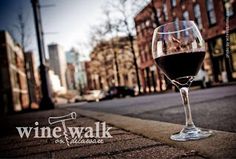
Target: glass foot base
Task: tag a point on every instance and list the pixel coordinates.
(190, 133)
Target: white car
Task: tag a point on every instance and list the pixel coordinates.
(201, 79)
(94, 95)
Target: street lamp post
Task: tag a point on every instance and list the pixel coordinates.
(46, 101)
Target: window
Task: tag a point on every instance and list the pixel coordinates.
(229, 10)
(185, 15)
(210, 12)
(13, 58)
(176, 21)
(153, 19)
(197, 14)
(147, 52)
(138, 29)
(143, 54)
(233, 49)
(159, 14)
(173, 3)
(147, 23)
(154, 25)
(143, 25)
(15, 78)
(165, 12)
(217, 47)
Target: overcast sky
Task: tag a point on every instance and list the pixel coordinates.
(67, 22)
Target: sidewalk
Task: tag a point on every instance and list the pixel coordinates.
(132, 138)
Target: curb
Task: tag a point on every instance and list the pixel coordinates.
(220, 145)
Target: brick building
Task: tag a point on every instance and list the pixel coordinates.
(103, 71)
(75, 71)
(70, 76)
(13, 83)
(32, 79)
(217, 29)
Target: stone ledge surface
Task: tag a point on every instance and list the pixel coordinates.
(220, 145)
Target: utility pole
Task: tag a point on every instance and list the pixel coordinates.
(46, 101)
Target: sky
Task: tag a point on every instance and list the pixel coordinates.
(66, 22)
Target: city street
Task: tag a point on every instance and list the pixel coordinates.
(212, 108)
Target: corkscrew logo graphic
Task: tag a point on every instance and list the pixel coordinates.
(62, 119)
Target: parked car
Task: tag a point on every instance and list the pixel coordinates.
(94, 95)
(75, 99)
(120, 91)
(202, 79)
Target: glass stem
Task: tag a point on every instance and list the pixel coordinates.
(187, 110)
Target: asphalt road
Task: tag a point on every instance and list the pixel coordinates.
(213, 108)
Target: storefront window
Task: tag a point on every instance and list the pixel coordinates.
(217, 47)
(233, 49)
(229, 10)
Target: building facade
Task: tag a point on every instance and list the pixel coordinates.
(55, 83)
(57, 62)
(33, 80)
(216, 19)
(13, 83)
(70, 77)
(111, 65)
(75, 72)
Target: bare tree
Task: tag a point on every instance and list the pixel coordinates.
(125, 26)
(21, 34)
(21, 31)
(111, 28)
(102, 61)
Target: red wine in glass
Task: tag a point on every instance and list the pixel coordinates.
(181, 67)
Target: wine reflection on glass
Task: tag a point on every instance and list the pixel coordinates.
(179, 50)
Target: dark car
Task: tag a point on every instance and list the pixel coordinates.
(120, 91)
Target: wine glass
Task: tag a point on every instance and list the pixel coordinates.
(179, 50)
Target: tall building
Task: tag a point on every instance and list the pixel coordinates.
(32, 78)
(70, 77)
(55, 83)
(75, 73)
(216, 19)
(13, 82)
(57, 62)
(111, 65)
